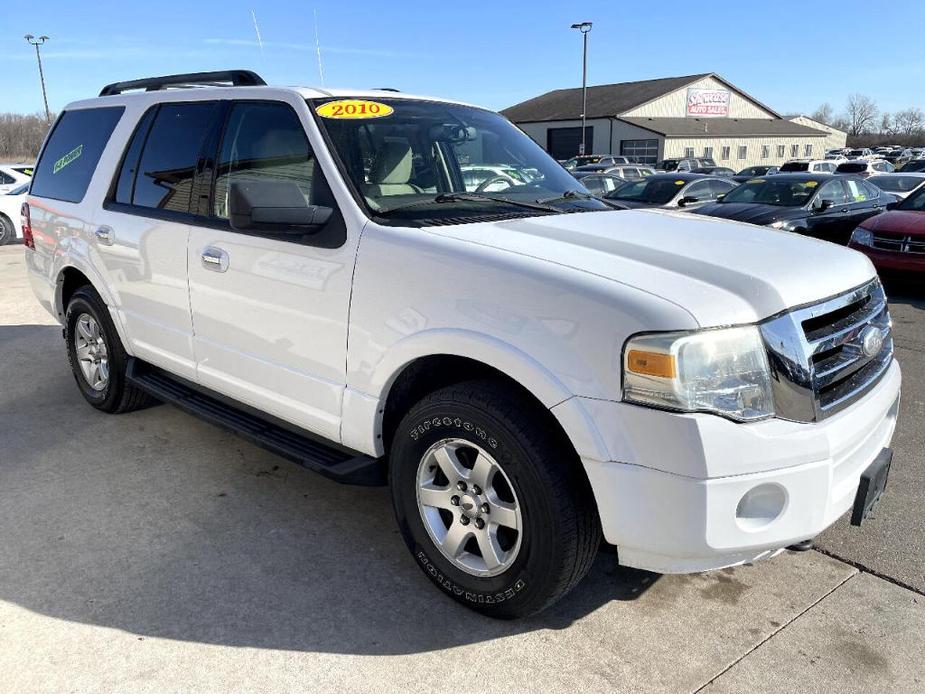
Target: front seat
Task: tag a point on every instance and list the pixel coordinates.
(391, 171)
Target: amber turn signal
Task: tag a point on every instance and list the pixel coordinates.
(651, 363)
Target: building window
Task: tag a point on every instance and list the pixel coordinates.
(726, 151)
(688, 152)
(794, 150)
(707, 152)
(743, 152)
(781, 150)
(808, 151)
(765, 151)
(640, 151)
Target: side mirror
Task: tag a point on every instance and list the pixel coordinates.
(823, 205)
(273, 207)
(721, 196)
(687, 200)
(893, 205)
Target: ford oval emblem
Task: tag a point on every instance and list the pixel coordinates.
(871, 341)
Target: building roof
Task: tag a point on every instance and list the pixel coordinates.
(794, 116)
(604, 101)
(720, 127)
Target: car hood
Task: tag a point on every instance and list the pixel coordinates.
(908, 222)
(720, 272)
(750, 212)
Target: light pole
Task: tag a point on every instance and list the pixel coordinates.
(38, 42)
(584, 28)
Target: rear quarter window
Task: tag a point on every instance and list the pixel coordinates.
(72, 152)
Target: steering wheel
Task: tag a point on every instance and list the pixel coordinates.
(483, 186)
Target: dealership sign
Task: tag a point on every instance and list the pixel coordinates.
(708, 103)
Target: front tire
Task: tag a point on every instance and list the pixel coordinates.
(97, 356)
(7, 231)
(492, 500)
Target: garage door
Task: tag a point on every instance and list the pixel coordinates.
(564, 143)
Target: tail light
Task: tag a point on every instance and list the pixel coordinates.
(27, 239)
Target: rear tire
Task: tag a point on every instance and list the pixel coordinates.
(7, 231)
(97, 356)
(535, 481)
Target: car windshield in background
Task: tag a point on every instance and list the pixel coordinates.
(792, 166)
(424, 161)
(897, 184)
(19, 190)
(852, 167)
(658, 191)
(782, 193)
(915, 202)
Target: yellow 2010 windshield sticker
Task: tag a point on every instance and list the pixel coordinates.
(812, 184)
(354, 108)
(679, 183)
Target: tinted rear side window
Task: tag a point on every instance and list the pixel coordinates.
(73, 151)
(795, 166)
(164, 179)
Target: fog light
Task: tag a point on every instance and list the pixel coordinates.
(761, 506)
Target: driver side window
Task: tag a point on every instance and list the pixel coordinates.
(700, 190)
(834, 191)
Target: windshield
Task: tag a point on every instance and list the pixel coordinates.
(659, 191)
(778, 192)
(795, 166)
(852, 167)
(915, 202)
(19, 190)
(897, 184)
(421, 162)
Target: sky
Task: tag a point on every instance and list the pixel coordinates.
(791, 55)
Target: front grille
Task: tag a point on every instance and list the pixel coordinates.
(826, 356)
(899, 243)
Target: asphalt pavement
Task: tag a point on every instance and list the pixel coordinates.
(151, 552)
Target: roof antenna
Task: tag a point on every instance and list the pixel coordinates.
(318, 48)
(259, 40)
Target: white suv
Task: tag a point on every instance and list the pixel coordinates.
(528, 369)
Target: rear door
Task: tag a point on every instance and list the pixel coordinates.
(865, 200)
(142, 231)
(270, 311)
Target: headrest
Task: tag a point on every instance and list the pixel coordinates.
(392, 163)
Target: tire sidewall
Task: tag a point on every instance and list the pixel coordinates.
(7, 231)
(527, 577)
(87, 301)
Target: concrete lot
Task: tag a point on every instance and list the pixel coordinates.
(153, 552)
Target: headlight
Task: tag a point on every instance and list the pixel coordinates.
(785, 225)
(862, 237)
(720, 371)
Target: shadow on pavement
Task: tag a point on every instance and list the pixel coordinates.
(160, 525)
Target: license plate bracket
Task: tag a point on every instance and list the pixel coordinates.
(873, 482)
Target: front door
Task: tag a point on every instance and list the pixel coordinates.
(829, 224)
(270, 311)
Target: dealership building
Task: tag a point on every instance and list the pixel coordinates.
(694, 116)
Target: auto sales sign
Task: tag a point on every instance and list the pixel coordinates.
(708, 103)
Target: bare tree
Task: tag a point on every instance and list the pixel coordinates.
(887, 125)
(21, 135)
(862, 114)
(824, 114)
(909, 122)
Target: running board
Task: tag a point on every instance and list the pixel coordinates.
(338, 464)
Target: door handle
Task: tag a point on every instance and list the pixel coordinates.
(104, 235)
(214, 259)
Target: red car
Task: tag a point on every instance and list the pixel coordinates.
(895, 239)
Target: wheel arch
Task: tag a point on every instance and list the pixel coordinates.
(69, 279)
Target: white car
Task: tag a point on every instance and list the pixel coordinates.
(13, 176)
(818, 166)
(865, 167)
(899, 184)
(10, 216)
(528, 370)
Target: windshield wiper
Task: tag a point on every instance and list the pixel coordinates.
(443, 198)
(567, 195)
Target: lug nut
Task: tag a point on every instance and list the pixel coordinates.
(454, 500)
(476, 489)
(461, 486)
(479, 523)
(464, 520)
(486, 508)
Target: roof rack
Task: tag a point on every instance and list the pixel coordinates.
(220, 78)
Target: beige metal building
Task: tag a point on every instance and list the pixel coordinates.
(835, 138)
(694, 116)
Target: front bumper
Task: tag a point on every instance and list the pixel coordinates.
(673, 503)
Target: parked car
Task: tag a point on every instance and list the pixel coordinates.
(898, 157)
(824, 207)
(12, 176)
(815, 166)
(676, 190)
(11, 215)
(859, 153)
(599, 183)
(586, 159)
(683, 165)
(714, 171)
(529, 371)
(895, 240)
(631, 173)
(865, 167)
(491, 177)
(898, 184)
(752, 171)
(913, 166)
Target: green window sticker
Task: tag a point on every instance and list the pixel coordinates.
(68, 158)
